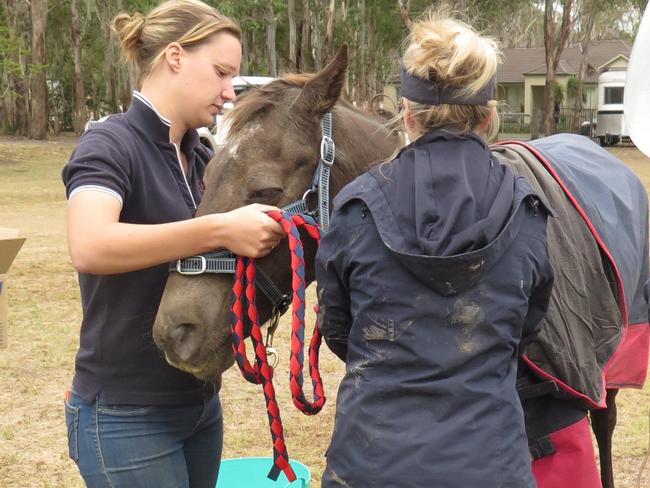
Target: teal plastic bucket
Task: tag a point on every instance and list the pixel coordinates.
(251, 472)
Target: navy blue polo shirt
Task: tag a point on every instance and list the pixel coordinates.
(129, 156)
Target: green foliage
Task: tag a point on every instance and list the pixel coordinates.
(572, 86)
(559, 93)
(11, 48)
(373, 29)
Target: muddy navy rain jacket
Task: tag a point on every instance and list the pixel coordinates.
(433, 275)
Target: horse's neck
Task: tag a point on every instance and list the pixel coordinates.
(362, 141)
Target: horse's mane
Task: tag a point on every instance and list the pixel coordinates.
(258, 100)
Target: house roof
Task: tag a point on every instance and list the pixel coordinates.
(518, 62)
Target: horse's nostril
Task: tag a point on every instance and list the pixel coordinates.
(185, 340)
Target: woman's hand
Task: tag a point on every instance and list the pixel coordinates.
(249, 231)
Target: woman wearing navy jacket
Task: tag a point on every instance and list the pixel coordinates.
(433, 275)
(133, 183)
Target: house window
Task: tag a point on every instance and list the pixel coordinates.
(613, 94)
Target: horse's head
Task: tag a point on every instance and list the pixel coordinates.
(270, 157)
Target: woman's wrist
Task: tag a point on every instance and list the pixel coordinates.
(214, 232)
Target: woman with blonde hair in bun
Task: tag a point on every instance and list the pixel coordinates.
(434, 274)
(133, 183)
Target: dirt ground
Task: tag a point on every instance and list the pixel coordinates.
(44, 325)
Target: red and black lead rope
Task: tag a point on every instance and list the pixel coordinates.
(261, 372)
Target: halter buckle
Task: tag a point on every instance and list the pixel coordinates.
(192, 272)
(327, 151)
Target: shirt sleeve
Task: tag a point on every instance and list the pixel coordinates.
(99, 162)
(334, 317)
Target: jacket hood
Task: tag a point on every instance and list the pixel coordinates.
(444, 207)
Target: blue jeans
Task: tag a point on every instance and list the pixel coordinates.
(122, 446)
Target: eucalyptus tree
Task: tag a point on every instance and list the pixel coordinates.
(555, 38)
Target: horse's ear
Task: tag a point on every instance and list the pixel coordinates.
(321, 92)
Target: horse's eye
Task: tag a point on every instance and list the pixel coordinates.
(267, 195)
(301, 163)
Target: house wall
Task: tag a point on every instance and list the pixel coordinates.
(511, 94)
(531, 81)
(619, 63)
(533, 100)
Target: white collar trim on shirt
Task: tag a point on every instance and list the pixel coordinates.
(147, 102)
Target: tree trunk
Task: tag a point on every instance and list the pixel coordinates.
(245, 57)
(112, 91)
(106, 14)
(18, 112)
(22, 98)
(17, 16)
(39, 105)
(371, 64)
(125, 89)
(404, 9)
(316, 37)
(361, 64)
(93, 86)
(293, 48)
(252, 54)
(80, 118)
(554, 45)
(585, 39)
(305, 64)
(271, 26)
(329, 30)
(23, 118)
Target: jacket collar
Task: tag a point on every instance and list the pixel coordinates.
(447, 134)
(143, 114)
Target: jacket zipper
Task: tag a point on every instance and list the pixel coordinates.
(180, 165)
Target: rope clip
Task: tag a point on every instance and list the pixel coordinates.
(271, 352)
(272, 356)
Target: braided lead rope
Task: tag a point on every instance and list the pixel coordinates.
(298, 323)
(262, 373)
(250, 373)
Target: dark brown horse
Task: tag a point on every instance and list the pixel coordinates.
(271, 158)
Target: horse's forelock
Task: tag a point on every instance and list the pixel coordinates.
(258, 100)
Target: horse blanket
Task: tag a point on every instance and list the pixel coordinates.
(596, 332)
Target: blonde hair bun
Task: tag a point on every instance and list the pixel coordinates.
(128, 29)
(451, 51)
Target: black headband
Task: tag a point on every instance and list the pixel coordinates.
(429, 92)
